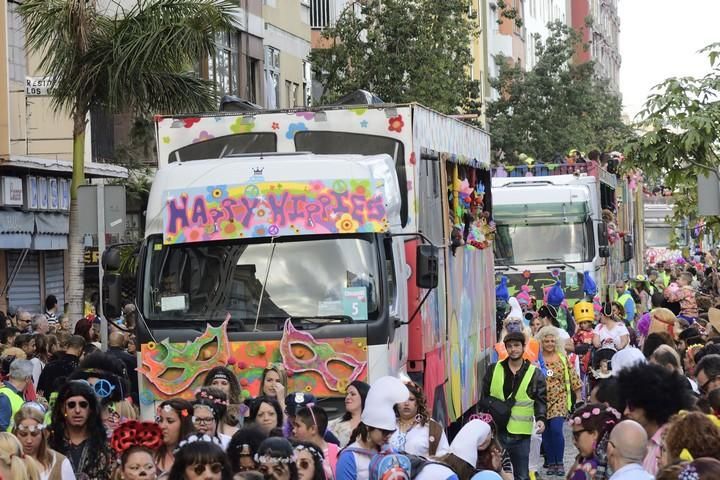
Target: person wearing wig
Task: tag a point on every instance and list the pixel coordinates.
(136, 444)
(514, 323)
(378, 422)
(30, 430)
(591, 425)
(77, 431)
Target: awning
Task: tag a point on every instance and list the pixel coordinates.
(92, 170)
(51, 231)
(16, 229)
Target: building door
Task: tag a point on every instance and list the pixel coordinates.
(55, 276)
(25, 289)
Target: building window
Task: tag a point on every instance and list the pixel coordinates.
(272, 77)
(320, 14)
(223, 68)
(252, 80)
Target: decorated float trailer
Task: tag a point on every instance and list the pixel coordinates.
(660, 231)
(256, 253)
(561, 222)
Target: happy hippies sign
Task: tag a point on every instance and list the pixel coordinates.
(270, 209)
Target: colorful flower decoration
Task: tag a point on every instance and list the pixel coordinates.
(347, 224)
(526, 274)
(294, 128)
(133, 433)
(190, 121)
(396, 124)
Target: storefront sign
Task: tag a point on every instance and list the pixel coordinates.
(91, 256)
(39, 86)
(12, 191)
(46, 193)
(31, 192)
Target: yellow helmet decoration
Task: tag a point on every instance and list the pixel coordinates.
(583, 312)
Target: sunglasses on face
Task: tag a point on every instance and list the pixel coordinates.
(576, 433)
(73, 404)
(215, 468)
(704, 386)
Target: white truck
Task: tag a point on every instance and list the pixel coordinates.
(550, 226)
(300, 237)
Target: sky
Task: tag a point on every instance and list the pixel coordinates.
(660, 39)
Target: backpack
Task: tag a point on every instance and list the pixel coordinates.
(392, 465)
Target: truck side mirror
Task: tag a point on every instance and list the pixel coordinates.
(426, 264)
(603, 242)
(628, 247)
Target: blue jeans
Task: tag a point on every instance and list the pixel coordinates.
(518, 446)
(554, 441)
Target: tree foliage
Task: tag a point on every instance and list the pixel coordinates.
(401, 50)
(556, 106)
(681, 125)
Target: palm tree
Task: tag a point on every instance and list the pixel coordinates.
(138, 59)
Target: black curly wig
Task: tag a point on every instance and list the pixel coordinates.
(97, 437)
(661, 393)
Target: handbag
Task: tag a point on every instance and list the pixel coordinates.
(498, 409)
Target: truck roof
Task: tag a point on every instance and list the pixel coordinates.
(555, 173)
(298, 179)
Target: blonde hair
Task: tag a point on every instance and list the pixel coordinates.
(546, 331)
(21, 466)
(126, 410)
(16, 352)
(44, 457)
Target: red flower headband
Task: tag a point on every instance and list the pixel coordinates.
(132, 433)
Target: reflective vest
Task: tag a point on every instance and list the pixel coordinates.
(532, 350)
(566, 375)
(521, 414)
(16, 403)
(622, 300)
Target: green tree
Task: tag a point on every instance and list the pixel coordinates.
(401, 50)
(556, 106)
(137, 59)
(681, 125)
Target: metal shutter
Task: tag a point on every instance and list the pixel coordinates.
(25, 289)
(55, 276)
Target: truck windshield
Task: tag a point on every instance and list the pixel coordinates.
(519, 244)
(318, 277)
(662, 236)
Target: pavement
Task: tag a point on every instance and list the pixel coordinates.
(570, 454)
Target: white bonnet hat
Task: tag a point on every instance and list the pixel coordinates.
(384, 393)
(469, 438)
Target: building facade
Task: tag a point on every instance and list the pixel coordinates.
(35, 173)
(599, 23)
(538, 14)
(286, 40)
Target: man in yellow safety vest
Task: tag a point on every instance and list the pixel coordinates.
(518, 378)
(11, 393)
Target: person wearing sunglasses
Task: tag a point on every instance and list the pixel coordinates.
(276, 459)
(309, 460)
(591, 425)
(77, 430)
(31, 432)
(200, 459)
(707, 373)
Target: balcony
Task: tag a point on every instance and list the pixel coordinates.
(324, 13)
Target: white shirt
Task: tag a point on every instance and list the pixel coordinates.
(436, 471)
(38, 366)
(611, 336)
(634, 471)
(416, 441)
(224, 440)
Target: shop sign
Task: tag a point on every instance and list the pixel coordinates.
(12, 192)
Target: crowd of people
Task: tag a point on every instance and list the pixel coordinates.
(633, 379)
(629, 375)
